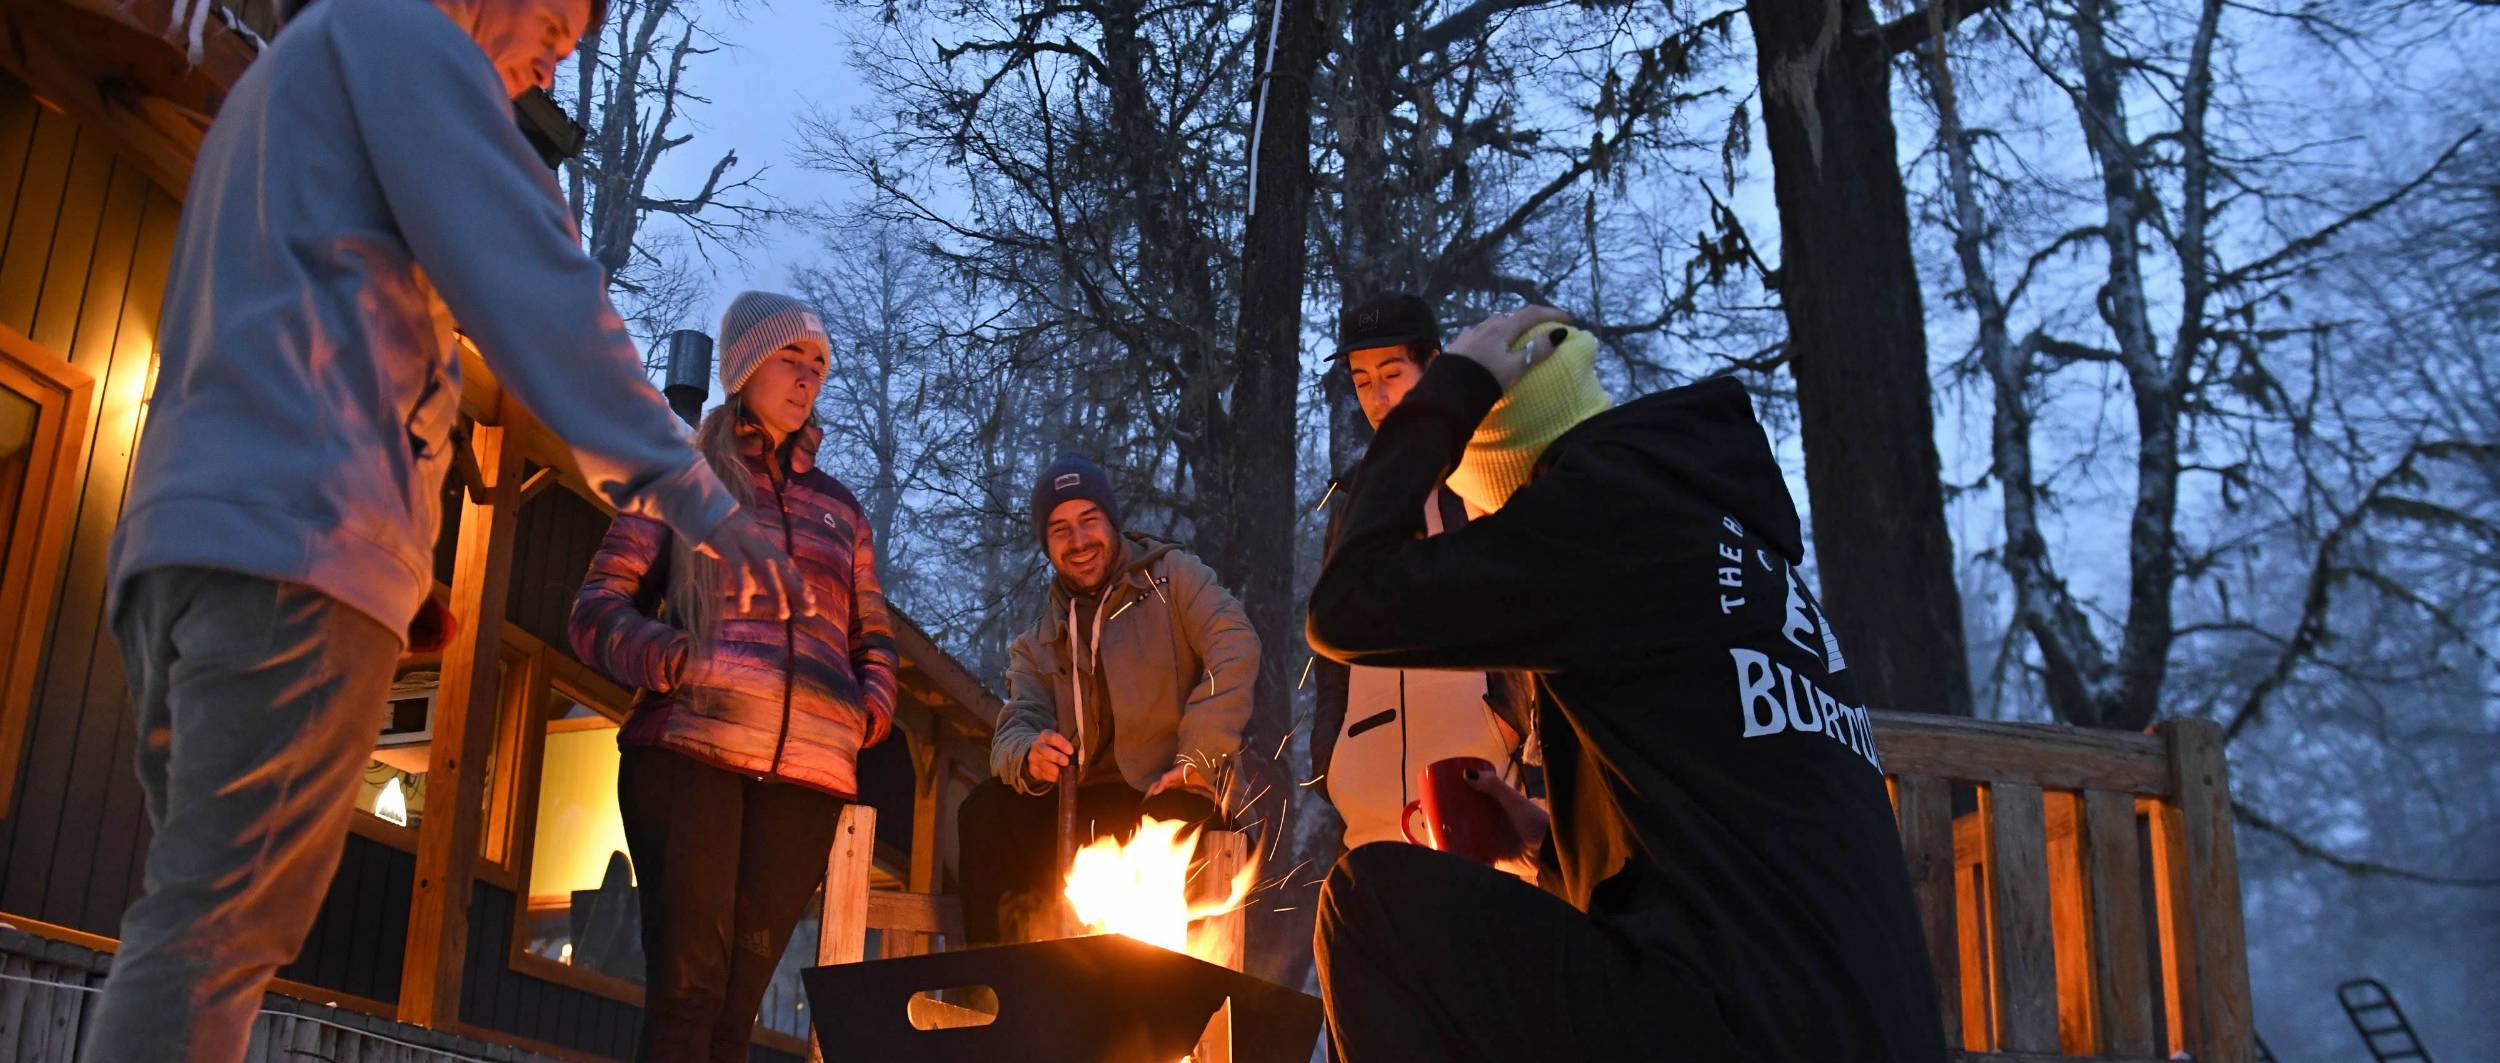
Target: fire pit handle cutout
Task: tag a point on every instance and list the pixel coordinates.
(971, 1006)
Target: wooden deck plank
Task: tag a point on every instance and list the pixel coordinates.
(2018, 895)
(2122, 982)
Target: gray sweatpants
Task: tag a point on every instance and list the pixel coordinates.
(257, 704)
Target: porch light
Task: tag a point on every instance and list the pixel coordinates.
(392, 806)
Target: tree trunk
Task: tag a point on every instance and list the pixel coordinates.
(1364, 269)
(1268, 361)
(1858, 350)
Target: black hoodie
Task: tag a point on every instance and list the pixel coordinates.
(1716, 794)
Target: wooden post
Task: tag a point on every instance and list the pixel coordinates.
(842, 925)
(2218, 949)
(464, 734)
(1068, 842)
(1224, 853)
(928, 821)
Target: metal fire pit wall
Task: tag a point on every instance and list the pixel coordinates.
(1100, 999)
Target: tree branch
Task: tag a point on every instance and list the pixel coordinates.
(1914, 30)
(2317, 239)
(2250, 817)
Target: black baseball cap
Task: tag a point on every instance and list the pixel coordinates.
(1388, 320)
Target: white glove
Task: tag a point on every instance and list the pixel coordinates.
(1489, 342)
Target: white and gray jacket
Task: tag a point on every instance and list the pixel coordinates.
(363, 187)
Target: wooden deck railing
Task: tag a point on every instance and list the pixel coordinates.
(2079, 889)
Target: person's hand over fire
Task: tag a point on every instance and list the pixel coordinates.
(758, 569)
(1488, 342)
(1048, 757)
(1183, 776)
(1529, 823)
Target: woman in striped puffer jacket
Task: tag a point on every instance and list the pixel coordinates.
(743, 743)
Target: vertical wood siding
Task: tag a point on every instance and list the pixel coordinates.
(85, 243)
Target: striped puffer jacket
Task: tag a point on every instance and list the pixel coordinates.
(795, 699)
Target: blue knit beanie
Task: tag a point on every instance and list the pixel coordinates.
(1070, 477)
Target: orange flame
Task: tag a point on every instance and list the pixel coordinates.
(1142, 890)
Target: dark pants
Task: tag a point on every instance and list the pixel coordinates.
(725, 864)
(257, 703)
(1009, 842)
(1427, 956)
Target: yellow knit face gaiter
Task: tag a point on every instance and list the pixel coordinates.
(1559, 391)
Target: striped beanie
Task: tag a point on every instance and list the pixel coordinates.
(759, 323)
(1558, 391)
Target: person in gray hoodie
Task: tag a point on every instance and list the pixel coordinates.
(363, 188)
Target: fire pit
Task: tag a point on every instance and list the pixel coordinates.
(1136, 982)
(1099, 999)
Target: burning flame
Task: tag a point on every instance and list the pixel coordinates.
(1142, 889)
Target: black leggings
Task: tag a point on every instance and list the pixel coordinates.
(1009, 841)
(725, 865)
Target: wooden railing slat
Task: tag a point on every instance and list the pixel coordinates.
(2122, 980)
(2053, 757)
(2018, 894)
(1925, 805)
(2175, 923)
(2078, 1019)
(2220, 947)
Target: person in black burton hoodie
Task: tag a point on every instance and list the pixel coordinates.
(1730, 877)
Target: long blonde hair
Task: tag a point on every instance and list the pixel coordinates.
(697, 584)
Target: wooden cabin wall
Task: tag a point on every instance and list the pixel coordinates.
(86, 240)
(360, 939)
(85, 243)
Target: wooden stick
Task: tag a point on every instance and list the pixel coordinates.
(1068, 926)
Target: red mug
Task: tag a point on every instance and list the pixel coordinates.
(1458, 818)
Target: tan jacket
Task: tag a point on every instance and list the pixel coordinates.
(1177, 655)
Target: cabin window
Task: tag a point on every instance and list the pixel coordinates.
(581, 919)
(580, 909)
(43, 432)
(391, 797)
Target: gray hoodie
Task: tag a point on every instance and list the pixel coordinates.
(363, 187)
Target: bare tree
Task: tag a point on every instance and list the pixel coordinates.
(629, 91)
(2156, 206)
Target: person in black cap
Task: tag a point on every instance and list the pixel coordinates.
(1142, 661)
(1374, 726)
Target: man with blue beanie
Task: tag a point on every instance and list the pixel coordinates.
(1139, 659)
